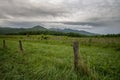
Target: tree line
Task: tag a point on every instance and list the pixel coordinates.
(57, 33)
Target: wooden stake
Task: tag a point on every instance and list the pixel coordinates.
(20, 46)
(4, 44)
(76, 51)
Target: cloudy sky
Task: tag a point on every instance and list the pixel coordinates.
(97, 16)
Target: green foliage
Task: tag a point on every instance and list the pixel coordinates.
(75, 35)
(44, 37)
(108, 35)
(46, 32)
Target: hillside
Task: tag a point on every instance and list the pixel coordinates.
(7, 30)
(73, 31)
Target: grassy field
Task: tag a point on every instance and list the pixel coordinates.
(53, 59)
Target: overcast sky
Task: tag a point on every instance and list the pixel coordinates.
(97, 16)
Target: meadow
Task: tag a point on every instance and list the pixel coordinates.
(51, 58)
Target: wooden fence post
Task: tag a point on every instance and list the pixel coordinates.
(4, 44)
(20, 46)
(76, 51)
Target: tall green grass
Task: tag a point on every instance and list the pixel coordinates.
(53, 59)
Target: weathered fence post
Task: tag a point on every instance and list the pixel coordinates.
(4, 44)
(20, 46)
(76, 51)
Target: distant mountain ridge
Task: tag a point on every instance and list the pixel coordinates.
(6, 30)
(38, 27)
(67, 30)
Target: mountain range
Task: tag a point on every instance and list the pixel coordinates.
(7, 30)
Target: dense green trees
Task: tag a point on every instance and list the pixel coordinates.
(57, 33)
(48, 33)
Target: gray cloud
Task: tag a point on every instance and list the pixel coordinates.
(18, 9)
(95, 13)
(95, 24)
